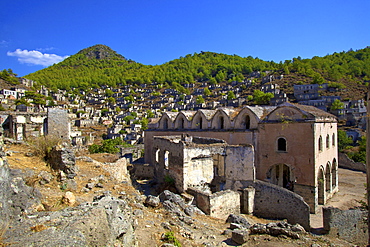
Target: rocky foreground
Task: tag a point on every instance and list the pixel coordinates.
(85, 202)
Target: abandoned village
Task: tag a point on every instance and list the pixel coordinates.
(276, 161)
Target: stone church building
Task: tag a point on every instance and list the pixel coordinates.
(290, 145)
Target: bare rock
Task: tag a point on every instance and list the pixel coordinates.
(45, 177)
(240, 236)
(63, 158)
(69, 198)
(152, 201)
(238, 219)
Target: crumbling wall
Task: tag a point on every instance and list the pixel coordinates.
(58, 123)
(143, 171)
(4, 194)
(118, 169)
(272, 201)
(198, 166)
(219, 205)
(63, 158)
(239, 166)
(346, 162)
(350, 225)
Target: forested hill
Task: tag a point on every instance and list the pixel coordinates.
(100, 65)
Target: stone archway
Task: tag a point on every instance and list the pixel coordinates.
(321, 186)
(334, 174)
(328, 177)
(282, 175)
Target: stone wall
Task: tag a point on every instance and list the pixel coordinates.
(4, 185)
(346, 162)
(239, 166)
(219, 205)
(272, 201)
(350, 225)
(143, 171)
(4, 200)
(58, 123)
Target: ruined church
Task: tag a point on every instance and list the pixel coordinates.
(290, 145)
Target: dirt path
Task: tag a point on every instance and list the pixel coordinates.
(351, 190)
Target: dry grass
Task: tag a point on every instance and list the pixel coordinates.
(41, 146)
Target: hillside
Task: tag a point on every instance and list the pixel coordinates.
(100, 65)
(69, 221)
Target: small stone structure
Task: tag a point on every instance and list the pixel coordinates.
(58, 123)
(272, 201)
(219, 205)
(193, 161)
(23, 125)
(350, 225)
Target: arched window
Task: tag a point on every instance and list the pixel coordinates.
(165, 124)
(327, 141)
(320, 143)
(333, 140)
(166, 160)
(200, 123)
(281, 144)
(222, 124)
(182, 123)
(247, 122)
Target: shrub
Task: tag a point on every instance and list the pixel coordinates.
(42, 145)
(170, 238)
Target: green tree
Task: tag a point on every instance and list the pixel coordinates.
(261, 98)
(336, 105)
(207, 92)
(343, 140)
(230, 95)
(108, 93)
(150, 114)
(200, 99)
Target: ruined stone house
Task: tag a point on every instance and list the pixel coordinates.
(290, 145)
(23, 125)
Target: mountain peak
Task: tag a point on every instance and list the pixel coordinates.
(100, 52)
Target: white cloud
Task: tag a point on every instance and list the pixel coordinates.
(36, 57)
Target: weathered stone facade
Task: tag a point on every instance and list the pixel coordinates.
(350, 225)
(193, 161)
(273, 201)
(219, 205)
(23, 125)
(294, 146)
(58, 123)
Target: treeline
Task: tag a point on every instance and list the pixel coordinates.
(99, 65)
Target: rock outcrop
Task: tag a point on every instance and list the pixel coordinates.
(63, 158)
(107, 221)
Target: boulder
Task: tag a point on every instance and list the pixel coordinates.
(152, 201)
(240, 236)
(238, 219)
(63, 158)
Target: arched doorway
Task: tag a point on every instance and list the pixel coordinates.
(334, 174)
(247, 122)
(221, 123)
(328, 177)
(282, 175)
(321, 186)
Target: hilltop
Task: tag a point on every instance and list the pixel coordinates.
(99, 65)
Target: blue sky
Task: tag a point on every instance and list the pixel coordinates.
(35, 34)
